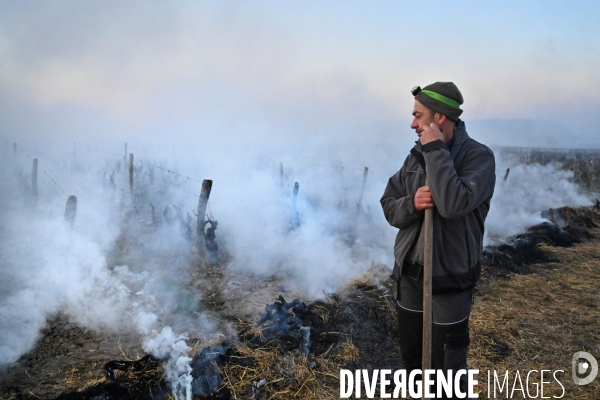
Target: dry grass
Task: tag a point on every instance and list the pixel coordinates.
(523, 323)
(288, 375)
(80, 379)
(538, 321)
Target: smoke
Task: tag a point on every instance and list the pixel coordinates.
(314, 242)
(529, 189)
(48, 267)
(167, 345)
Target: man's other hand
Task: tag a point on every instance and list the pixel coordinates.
(423, 199)
(431, 133)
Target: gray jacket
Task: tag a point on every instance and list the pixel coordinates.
(462, 184)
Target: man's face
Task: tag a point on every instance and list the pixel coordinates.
(421, 116)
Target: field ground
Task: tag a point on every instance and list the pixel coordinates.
(520, 322)
(539, 320)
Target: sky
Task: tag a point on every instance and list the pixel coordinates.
(279, 72)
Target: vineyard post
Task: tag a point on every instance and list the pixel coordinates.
(131, 177)
(202, 203)
(34, 180)
(362, 189)
(71, 210)
(294, 199)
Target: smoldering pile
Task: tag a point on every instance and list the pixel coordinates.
(295, 348)
(564, 227)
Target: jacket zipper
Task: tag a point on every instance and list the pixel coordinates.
(468, 247)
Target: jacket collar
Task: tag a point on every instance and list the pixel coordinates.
(460, 137)
(460, 132)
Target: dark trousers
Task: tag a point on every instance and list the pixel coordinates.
(450, 329)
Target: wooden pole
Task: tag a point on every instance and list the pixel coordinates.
(34, 179)
(295, 194)
(71, 210)
(202, 203)
(294, 198)
(281, 172)
(427, 286)
(131, 176)
(505, 176)
(362, 189)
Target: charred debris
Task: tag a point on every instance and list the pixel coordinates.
(295, 347)
(565, 227)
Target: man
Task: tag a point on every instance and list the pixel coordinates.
(461, 176)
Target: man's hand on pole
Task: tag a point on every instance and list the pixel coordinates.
(423, 199)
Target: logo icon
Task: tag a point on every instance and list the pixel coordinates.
(582, 367)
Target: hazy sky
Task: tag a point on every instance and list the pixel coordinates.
(104, 69)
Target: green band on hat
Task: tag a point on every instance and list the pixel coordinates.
(441, 98)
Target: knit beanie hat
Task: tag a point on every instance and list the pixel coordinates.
(442, 97)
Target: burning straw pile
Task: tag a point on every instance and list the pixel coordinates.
(565, 227)
(296, 350)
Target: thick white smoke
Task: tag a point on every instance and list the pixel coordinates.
(49, 267)
(314, 243)
(170, 346)
(529, 189)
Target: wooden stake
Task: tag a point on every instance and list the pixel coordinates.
(362, 189)
(427, 286)
(295, 194)
(71, 210)
(151, 173)
(34, 180)
(131, 176)
(505, 176)
(202, 203)
(294, 198)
